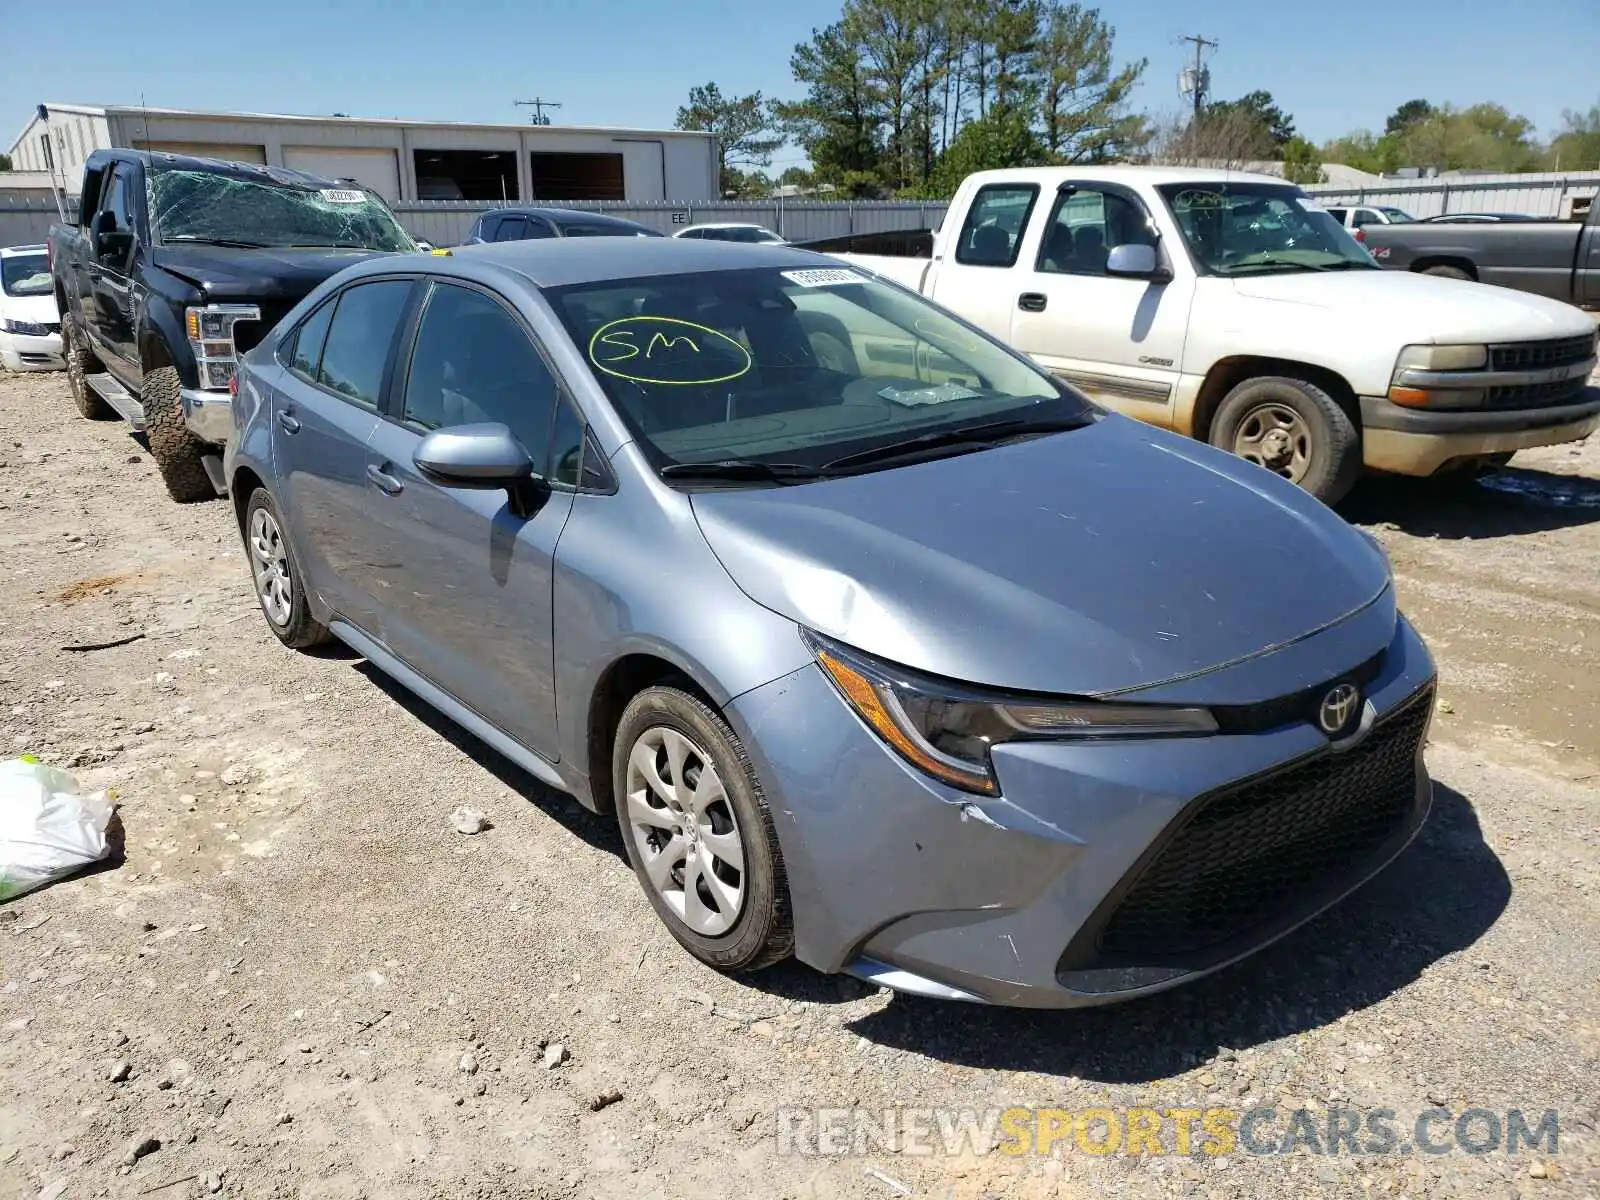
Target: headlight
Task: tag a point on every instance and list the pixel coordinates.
(946, 730)
(1443, 358)
(210, 331)
(26, 328)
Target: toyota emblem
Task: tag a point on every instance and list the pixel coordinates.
(1338, 708)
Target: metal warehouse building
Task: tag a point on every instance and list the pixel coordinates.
(400, 160)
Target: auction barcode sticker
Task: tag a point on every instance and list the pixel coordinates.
(824, 277)
(342, 195)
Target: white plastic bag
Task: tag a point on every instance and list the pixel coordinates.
(48, 829)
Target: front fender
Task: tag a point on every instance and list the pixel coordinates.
(162, 340)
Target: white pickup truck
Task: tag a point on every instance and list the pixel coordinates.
(1229, 307)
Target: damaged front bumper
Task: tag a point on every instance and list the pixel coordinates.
(1104, 870)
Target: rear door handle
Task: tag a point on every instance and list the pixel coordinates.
(385, 483)
(1032, 301)
(290, 425)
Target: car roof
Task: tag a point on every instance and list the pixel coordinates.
(560, 262)
(565, 214)
(256, 172)
(1126, 174)
(8, 251)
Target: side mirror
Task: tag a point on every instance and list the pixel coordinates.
(106, 240)
(484, 457)
(1136, 261)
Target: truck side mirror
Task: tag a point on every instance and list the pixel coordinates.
(1133, 260)
(106, 240)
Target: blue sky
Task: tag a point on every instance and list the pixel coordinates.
(631, 62)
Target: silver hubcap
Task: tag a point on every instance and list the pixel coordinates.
(1275, 437)
(683, 826)
(270, 564)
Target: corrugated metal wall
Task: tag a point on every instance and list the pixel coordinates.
(447, 222)
(26, 219)
(1539, 195)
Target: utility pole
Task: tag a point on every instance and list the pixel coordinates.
(1197, 79)
(538, 105)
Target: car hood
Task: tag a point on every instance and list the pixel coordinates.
(276, 274)
(1422, 308)
(1100, 560)
(39, 309)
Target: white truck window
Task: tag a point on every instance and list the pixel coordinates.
(1085, 226)
(993, 231)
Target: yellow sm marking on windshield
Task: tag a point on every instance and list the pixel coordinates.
(683, 354)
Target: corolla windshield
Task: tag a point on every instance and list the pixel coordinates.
(25, 274)
(1257, 228)
(212, 208)
(766, 375)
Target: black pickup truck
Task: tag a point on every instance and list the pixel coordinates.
(177, 266)
(1559, 259)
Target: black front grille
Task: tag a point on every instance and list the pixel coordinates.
(1538, 395)
(1527, 356)
(1260, 853)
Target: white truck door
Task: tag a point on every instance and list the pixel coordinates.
(1120, 339)
(976, 274)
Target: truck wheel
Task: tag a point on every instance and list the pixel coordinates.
(80, 362)
(178, 453)
(279, 586)
(1444, 271)
(1294, 429)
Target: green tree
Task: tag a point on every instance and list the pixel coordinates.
(1260, 108)
(1407, 115)
(5, 162)
(1484, 137)
(744, 126)
(1004, 138)
(837, 122)
(1301, 162)
(1083, 101)
(1364, 151)
(1577, 146)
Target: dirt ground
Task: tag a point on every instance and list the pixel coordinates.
(301, 981)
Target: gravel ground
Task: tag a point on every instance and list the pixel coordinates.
(299, 980)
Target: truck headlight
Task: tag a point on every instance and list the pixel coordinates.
(1443, 358)
(946, 730)
(210, 331)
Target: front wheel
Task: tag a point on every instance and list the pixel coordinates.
(179, 455)
(1293, 428)
(698, 832)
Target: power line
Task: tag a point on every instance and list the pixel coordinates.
(538, 104)
(1196, 81)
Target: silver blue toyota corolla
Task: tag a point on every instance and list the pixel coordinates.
(886, 649)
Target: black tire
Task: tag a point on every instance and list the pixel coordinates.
(1444, 271)
(178, 453)
(1332, 457)
(763, 934)
(299, 631)
(81, 362)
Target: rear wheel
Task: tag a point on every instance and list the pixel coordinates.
(1293, 428)
(698, 832)
(178, 453)
(276, 575)
(1445, 271)
(81, 362)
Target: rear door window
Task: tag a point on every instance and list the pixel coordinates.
(360, 339)
(512, 229)
(305, 354)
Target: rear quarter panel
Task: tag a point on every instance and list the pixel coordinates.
(1532, 256)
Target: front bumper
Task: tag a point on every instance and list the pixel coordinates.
(1013, 900)
(209, 415)
(31, 352)
(1416, 441)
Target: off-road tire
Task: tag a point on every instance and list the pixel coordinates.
(178, 453)
(81, 362)
(301, 631)
(1334, 458)
(764, 933)
(1444, 271)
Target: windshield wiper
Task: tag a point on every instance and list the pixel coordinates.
(980, 437)
(1272, 260)
(735, 469)
(196, 239)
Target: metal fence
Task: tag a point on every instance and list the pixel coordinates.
(25, 220)
(447, 222)
(1540, 195)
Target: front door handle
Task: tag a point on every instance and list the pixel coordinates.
(385, 483)
(1032, 301)
(290, 425)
